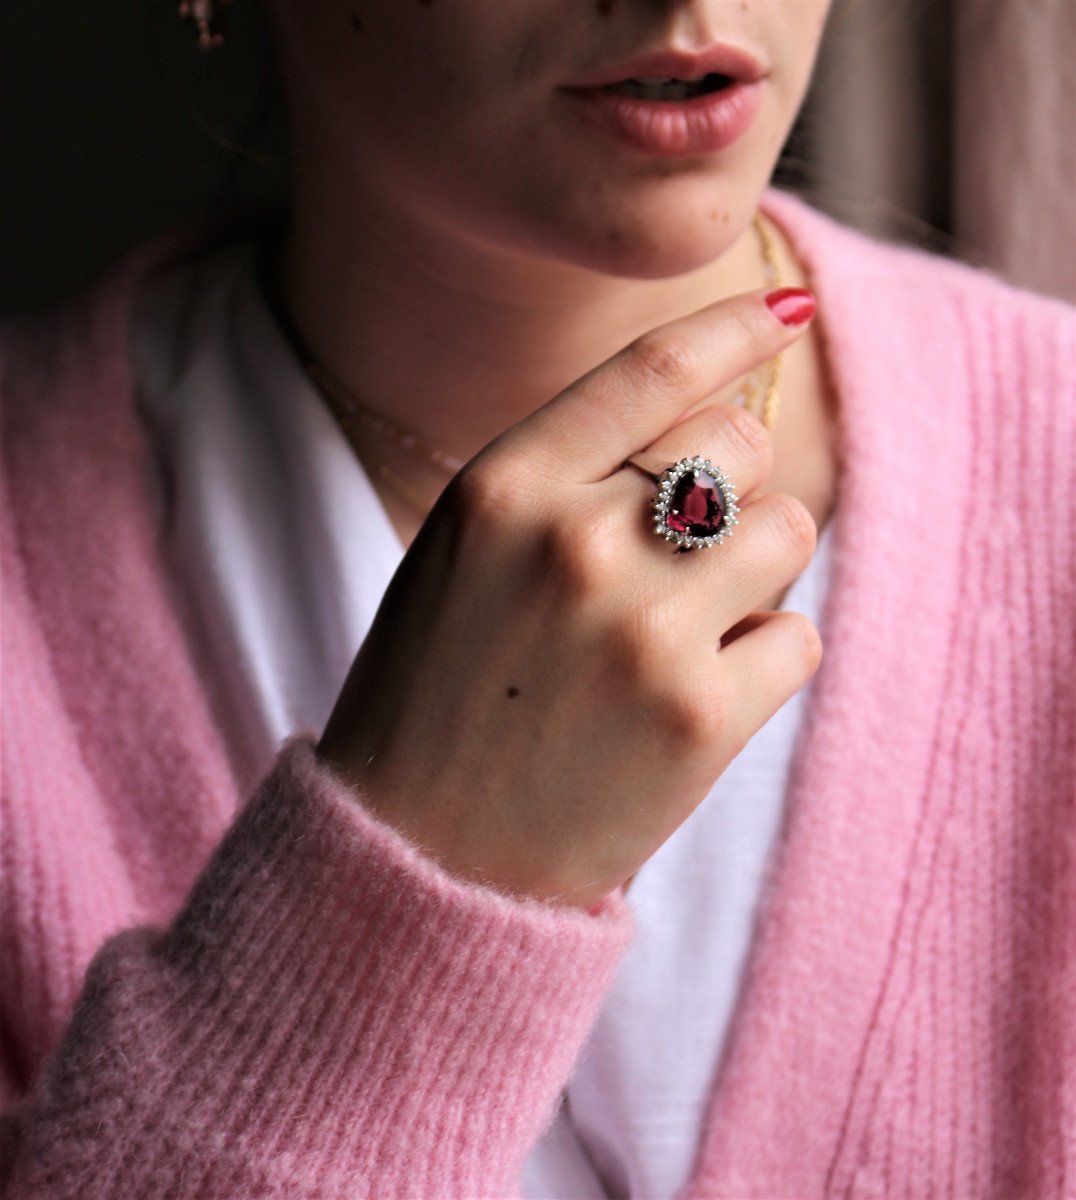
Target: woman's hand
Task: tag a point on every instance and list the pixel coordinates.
(547, 690)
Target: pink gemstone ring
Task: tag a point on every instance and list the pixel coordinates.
(695, 505)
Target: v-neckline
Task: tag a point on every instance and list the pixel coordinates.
(831, 910)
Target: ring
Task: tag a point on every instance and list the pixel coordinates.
(695, 505)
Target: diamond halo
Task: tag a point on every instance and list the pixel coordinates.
(677, 515)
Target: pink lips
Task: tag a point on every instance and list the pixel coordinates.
(703, 124)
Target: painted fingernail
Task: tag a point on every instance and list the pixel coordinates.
(791, 306)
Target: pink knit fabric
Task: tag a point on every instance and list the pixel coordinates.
(301, 1005)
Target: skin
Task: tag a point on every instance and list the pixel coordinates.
(473, 261)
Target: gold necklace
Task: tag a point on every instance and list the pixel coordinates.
(771, 395)
(759, 395)
(346, 407)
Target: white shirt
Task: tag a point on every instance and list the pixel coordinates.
(282, 551)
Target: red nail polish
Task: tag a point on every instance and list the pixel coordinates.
(791, 306)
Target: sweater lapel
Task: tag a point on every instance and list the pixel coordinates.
(832, 909)
(79, 463)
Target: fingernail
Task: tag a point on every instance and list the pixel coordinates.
(791, 306)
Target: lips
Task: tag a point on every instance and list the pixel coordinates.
(673, 103)
(717, 59)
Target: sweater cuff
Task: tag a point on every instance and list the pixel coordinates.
(331, 1011)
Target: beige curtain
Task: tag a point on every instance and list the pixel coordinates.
(1015, 181)
(952, 124)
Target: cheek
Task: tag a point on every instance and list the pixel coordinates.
(798, 40)
(809, 21)
(380, 55)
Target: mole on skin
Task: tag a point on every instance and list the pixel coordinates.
(513, 692)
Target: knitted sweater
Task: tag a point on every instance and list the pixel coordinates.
(228, 979)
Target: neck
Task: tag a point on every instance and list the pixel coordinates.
(458, 340)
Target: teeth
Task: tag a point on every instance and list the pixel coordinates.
(668, 88)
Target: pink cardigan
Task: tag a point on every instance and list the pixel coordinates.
(293, 1002)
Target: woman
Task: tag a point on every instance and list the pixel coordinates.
(271, 931)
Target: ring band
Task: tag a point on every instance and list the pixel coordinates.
(695, 505)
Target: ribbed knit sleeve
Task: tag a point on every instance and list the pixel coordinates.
(330, 1014)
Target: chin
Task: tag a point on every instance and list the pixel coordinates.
(650, 257)
(656, 249)
(667, 233)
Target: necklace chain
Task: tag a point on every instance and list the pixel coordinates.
(347, 407)
(760, 395)
(771, 396)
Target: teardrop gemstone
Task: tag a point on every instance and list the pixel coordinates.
(697, 506)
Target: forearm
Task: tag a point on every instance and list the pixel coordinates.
(329, 1014)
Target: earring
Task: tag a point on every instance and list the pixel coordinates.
(208, 19)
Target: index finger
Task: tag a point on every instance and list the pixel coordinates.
(629, 401)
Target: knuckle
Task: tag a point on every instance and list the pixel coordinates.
(681, 710)
(794, 525)
(646, 661)
(809, 641)
(485, 494)
(695, 721)
(746, 432)
(662, 362)
(632, 651)
(577, 560)
(678, 707)
(744, 318)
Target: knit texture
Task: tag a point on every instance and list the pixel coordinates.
(228, 979)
